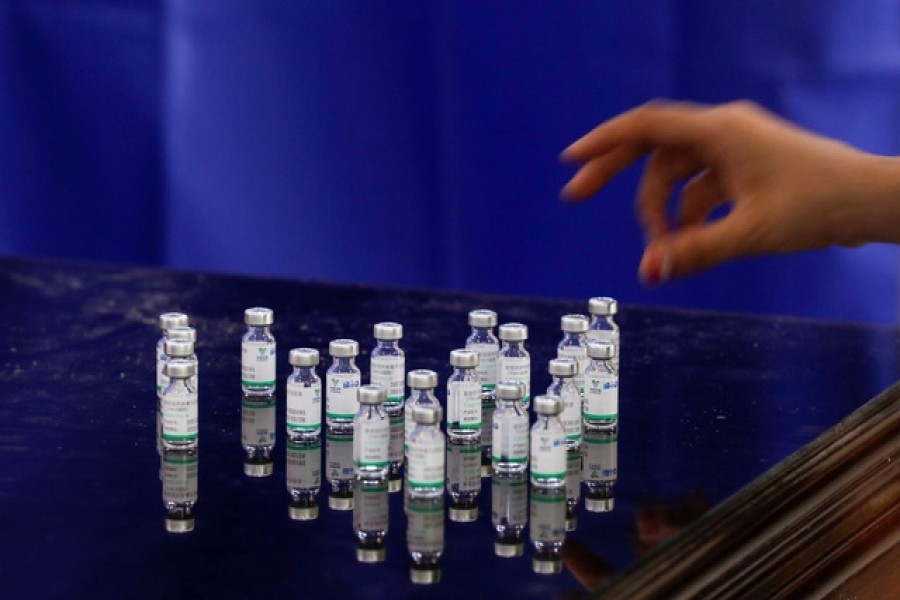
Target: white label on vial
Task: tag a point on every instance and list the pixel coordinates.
(601, 398)
(510, 440)
(304, 405)
(179, 416)
(487, 363)
(395, 451)
(464, 467)
(425, 462)
(516, 368)
(370, 508)
(179, 479)
(258, 423)
(371, 442)
(340, 395)
(388, 372)
(464, 404)
(548, 455)
(258, 364)
(425, 527)
(303, 468)
(579, 355)
(571, 414)
(487, 423)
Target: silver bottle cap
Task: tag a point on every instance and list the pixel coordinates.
(303, 357)
(513, 332)
(546, 566)
(304, 513)
(563, 367)
(603, 306)
(371, 555)
(574, 323)
(463, 515)
(179, 368)
(180, 525)
(343, 348)
(395, 485)
(178, 348)
(340, 502)
(599, 505)
(371, 394)
(547, 405)
(510, 390)
(259, 316)
(508, 549)
(172, 319)
(603, 350)
(422, 379)
(482, 318)
(182, 333)
(463, 359)
(258, 469)
(388, 331)
(425, 575)
(426, 415)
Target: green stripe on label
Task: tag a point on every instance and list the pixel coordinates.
(426, 485)
(396, 420)
(574, 436)
(512, 460)
(340, 439)
(550, 500)
(348, 416)
(306, 427)
(302, 447)
(488, 386)
(559, 475)
(189, 436)
(601, 417)
(258, 404)
(472, 426)
(371, 464)
(181, 461)
(257, 384)
(394, 400)
(604, 440)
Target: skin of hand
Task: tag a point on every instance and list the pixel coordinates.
(789, 190)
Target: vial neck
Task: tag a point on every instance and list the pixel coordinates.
(258, 329)
(387, 344)
(513, 345)
(344, 361)
(483, 333)
(426, 394)
(573, 338)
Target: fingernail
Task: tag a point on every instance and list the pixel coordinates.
(656, 266)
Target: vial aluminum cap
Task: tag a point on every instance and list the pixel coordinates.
(546, 566)
(574, 323)
(256, 469)
(303, 357)
(513, 332)
(338, 501)
(483, 318)
(547, 405)
(388, 331)
(422, 379)
(463, 515)
(182, 333)
(180, 368)
(304, 513)
(599, 505)
(510, 390)
(180, 525)
(371, 394)
(563, 367)
(395, 485)
(426, 415)
(259, 316)
(508, 549)
(371, 555)
(343, 348)
(601, 350)
(425, 575)
(178, 348)
(172, 319)
(463, 359)
(603, 306)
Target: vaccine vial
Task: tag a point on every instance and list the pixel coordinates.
(573, 487)
(396, 450)
(600, 470)
(304, 396)
(600, 409)
(258, 353)
(463, 479)
(388, 362)
(425, 457)
(339, 466)
(464, 398)
(179, 407)
(303, 476)
(166, 321)
(548, 529)
(563, 371)
(173, 349)
(422, 384)
(514, 362)
(179, 484)
(509, 513)
(370, 519)
(483, 341)
(424, 538)
(509, 453)
(371, 435)
(603, 327)
(341, 382)
(185, 334)
(548, 444)
(574, 345)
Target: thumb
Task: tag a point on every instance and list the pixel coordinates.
(692, 249)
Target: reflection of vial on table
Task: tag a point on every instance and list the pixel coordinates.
(509, 451)
(600, 469)
(600, 408)
(258, 353)
(483, 341)
(339, 465)
(548, 529)
(574, 345)
(422, 383)
(425, 464)
(371, 434)
(370, 519)
(573, 487)
(388, 369)
(514, 361)
(179, 477)
(548, 444)
(425, 538)
(303, 396)
(563, 371)
(258, 434)
(463, 480)
(341, 383)
(509, 512)
(303, 476)
(603, 327)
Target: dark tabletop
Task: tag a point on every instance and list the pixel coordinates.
(707, 403)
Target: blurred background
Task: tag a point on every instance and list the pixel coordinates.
(410, 143)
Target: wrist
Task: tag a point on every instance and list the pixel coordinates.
(870, 210)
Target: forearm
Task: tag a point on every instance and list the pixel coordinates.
(872, 204)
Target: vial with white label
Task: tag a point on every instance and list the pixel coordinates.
(258, 353)
(600, 469)
(603, 327)
(514, 362)
(574, 345)
(573, 487)
(370, 519)
(341, 382)
(547, 529)
(424, 538)
(304, 396)
(422, 384)
(548, 444)
(339, 469)
(303, 476)
(509, 513)
(463, 480)
(563, 371)
(180, 424)
(600, 407)
(258, 434)
(509, 453)
(166, 321)
(179, 483)
(464, 398)
(425, 457)
(388, 362)
(172, 349)
(371, 434)
(396, 452)
(483, 341)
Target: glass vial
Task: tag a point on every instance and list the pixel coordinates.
(179, 484)
(509, 453)
(603, 327)
(514, 362)
(303, 476)
(573, 487)
(371, 435)
(342, 381)
(600, 408)
(304, 397)
(172, 349)
(574, 345)
(339, 466)
(258, 434)
(463, 479)
(464, 398)
(509, 513)
(426, 454)
(600, 470)
(166, 321)
(422, 384)
(563, 371)
(424, 538)
(258, 353)
(483, 341)
(548, 444)
(180, 424)
(388, 362)
(370, 519)
(548, 529)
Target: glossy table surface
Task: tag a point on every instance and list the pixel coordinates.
(708, 402)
